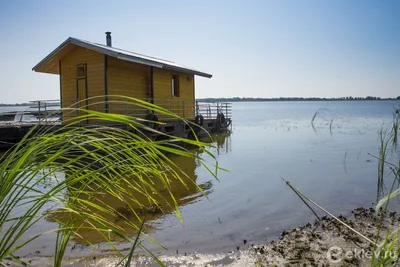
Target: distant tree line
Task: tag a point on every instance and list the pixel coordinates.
(17, 104)
(245, 99)
(249, 99)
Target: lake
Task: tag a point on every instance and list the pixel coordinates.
(328, 161)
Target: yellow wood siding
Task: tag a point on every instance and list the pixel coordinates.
(182, 105)
(127, 79)
(94, 74)
(124, 79)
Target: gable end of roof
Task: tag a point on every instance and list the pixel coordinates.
(122, 55)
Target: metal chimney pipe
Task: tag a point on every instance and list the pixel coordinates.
(108, 38)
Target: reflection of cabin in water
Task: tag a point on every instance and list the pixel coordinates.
(90, 70)
(129, 208)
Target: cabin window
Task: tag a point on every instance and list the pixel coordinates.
(80, 72)
(175, 85)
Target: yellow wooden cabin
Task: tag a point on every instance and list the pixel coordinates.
(90, 70)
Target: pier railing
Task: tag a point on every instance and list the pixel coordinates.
(49, 111)
(210, 110)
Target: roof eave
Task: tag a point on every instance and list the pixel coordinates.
(94, 48)
(75, 42)
(139, 61)
(161, 66)
(188, 71)
(44, 60)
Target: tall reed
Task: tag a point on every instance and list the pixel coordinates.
(72, 161)
(396, 125)
(384, 139)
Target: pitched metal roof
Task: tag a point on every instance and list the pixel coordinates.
(50, 63)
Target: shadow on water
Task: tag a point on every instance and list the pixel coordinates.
(128, 213)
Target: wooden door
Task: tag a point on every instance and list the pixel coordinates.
(81, 90)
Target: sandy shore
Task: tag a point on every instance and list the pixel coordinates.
(322, 243)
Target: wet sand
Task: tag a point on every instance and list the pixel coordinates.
(322, 243)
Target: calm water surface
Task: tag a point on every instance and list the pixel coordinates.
(328, 162)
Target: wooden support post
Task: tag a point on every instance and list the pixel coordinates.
(105, 83)
(45, 111)
(39, 112)
(151, 85)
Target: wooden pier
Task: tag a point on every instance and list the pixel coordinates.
(46, 116)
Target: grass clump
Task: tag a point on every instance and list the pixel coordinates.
(386, 250)
(54, 173)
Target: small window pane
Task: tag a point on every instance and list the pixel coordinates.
(80, 72)
(175, 86)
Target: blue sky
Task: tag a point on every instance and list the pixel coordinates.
(253, 48)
